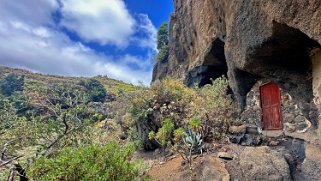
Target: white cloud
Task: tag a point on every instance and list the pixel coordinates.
(146, 26)
(30, 38)
(30, 11)
(57, 54)
(103, 21)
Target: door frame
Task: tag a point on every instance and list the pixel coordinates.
(280, 108)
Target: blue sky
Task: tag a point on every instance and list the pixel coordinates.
(116, 38)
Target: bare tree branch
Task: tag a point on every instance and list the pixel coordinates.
(10, 160)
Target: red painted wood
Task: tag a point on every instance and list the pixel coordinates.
(271, 106)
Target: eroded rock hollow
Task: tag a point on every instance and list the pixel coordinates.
(252, 42)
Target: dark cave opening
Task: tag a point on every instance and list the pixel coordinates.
(214, 66)
(244, 83)
(284, 59)
(287, 49)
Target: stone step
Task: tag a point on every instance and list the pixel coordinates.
(273, 133)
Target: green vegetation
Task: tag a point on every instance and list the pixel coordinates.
(163, 135)
(210, 110)
(95, 89)
(192, 145)
(178, 134)
(195, 125)
(109, 162)
(11, 83)
(163, 54)
(43, 119)
(162, 42)
(64, 128)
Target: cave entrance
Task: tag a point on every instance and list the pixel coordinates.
(285, 58)
(214, 66)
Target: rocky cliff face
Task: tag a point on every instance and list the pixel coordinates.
(251, 42)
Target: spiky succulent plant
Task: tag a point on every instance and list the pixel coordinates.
(194, 141)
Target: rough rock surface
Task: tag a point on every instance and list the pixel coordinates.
(311, 166)
(244, 28)
(262, 163)
(253, 42)
(246, 40)
(214, 169)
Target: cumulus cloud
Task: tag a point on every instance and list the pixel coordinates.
(46, 50)
(106, 22)
(146, 27)
(30, 11)
(31, 39)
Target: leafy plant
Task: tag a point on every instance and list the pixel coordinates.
(162, 42)
(109, 162)
(209, 109)
(187, 144)
(98, 117)
(193, 142)
(96, 90)
(178, 134)
(164, 134)
(215, 108)
(162, 35)
(11, 83)
(195, 125)
(163, 54)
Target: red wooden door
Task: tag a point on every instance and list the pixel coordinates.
(271, 106)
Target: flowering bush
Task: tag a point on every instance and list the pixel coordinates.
(207, 110)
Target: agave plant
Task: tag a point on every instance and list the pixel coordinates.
(193, 141)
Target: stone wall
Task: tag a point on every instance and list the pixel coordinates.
(316, 73)
(296, 116)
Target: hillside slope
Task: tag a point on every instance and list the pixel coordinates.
(43, 114)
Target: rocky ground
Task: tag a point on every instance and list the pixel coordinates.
(278, 158)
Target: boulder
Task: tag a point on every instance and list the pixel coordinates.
(214, 170)
(263, 163)
(237, 129)
(310, 168)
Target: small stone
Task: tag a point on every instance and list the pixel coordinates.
(157, 151)
(162, 163)
(300, 119)
(237, 129)
(289, 127)
(252, 130)
(303, 127)
(288, 117)
(225, 155)
(183, 162)
(274, 143)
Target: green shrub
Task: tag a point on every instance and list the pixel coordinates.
(162, 42)
(209, 108)
(95, 89)
(195, 125)
(98, 117)
(164, 134)
(178, 134)
(162, 35)
(11, 83)
(109, 162)
(163, 54)
(214, 107)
